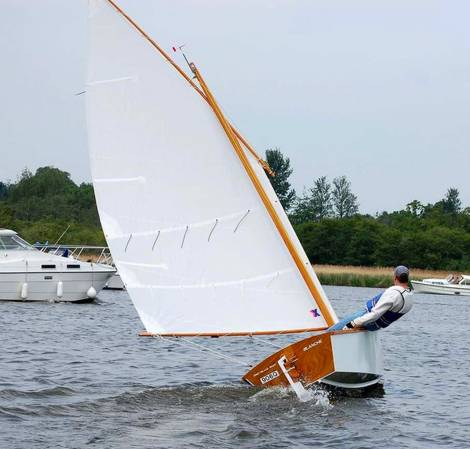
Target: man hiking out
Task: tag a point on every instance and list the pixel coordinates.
(383, 309)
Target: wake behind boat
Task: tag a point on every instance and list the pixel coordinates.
(451, 285)
(29, 274)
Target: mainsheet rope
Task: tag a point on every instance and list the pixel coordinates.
(203, 348)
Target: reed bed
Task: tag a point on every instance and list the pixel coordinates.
(377, 277)
(347, 275)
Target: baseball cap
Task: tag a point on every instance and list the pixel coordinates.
(401, 269)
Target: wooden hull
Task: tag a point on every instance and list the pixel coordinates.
(346, 359)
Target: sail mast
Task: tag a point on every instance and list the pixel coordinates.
(262, 162)
(264, 197)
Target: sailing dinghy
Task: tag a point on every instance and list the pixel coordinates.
(195, 229)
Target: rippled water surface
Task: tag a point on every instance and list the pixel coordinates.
(74, 376)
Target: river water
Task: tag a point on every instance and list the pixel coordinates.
(78, 376)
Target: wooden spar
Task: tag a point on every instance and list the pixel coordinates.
(230, 334)
(249, 334)
(262, 162)
(265, 198)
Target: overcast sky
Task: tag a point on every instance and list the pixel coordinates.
(378, 91)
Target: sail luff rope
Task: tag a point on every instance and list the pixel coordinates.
(261, 161)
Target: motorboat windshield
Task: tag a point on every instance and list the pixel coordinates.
(14, 242)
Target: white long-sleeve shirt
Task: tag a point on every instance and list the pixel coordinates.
(395, 298)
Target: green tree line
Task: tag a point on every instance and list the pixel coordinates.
(327, 220)
(326, 217)
(40, 207)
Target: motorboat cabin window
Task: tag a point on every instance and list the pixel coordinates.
(14, 243)
(458, 279)
(45, 267)
(454, 278)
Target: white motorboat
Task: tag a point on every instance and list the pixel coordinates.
(452, 285)
(115, 283)
(29, 274)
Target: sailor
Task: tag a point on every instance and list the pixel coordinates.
(385, 308)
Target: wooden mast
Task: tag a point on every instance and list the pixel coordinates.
(264, 197)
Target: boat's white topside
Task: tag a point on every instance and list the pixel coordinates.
(358, 360)
(449, 280)
(33, 260)
(17, 255)
(27, 273)
(452, 285)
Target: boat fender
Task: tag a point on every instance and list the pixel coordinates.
(60, 289)
(91, 293)
(24, 290)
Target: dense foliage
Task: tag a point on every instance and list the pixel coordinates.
(327, 220)
(280, 165)
(430, 240)
(41, 206)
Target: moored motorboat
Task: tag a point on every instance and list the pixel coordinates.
(29, 274)
(451, 285)
(115, 283)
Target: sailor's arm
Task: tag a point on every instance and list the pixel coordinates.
(384, 304)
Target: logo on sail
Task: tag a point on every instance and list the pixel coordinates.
(315, 313)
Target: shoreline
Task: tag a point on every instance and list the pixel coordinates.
(375, 277)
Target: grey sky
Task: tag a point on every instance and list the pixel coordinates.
(376, 90)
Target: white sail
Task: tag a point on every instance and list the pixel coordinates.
(264, 180)
(189, 234)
